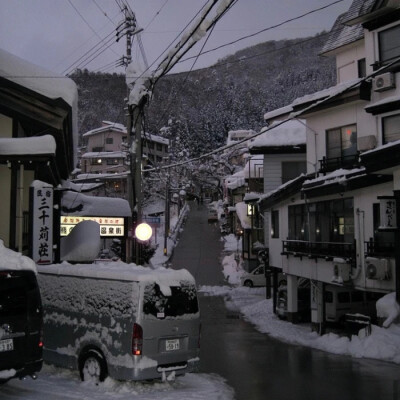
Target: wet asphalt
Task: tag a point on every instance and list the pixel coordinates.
(256, 365)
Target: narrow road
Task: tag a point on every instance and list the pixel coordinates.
(257, 366)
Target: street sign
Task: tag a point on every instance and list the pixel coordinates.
(152, 220)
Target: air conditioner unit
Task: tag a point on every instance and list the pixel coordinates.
(365, 143)
(341, 273)
(383, 82)
(377, 268)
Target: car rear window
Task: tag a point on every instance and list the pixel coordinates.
(14, 289)
(182, 301)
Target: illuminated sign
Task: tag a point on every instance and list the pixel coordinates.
(109, 226)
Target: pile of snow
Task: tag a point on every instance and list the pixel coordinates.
(382, 344)
(388, 308)
(54, 382)
(83, 244)
(10, 260)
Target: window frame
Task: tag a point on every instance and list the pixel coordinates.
(385, 118)
(395, 26)
(274, 224)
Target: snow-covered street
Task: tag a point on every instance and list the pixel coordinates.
(57, 384)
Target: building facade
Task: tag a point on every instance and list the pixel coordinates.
(335, 226)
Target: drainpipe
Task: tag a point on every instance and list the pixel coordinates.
(361, 238)
(20, 217)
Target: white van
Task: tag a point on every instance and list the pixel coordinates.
(340, 300)
(123, 321)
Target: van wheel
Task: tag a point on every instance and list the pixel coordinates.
(248, 283)
(93, 366)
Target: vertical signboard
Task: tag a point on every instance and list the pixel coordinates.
(42, 222)
(387, 213)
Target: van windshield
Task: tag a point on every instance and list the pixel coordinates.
(183, 301)
(14, 287)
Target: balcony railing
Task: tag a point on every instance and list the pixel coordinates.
(326, 250)
(376, 249)
(331, 164)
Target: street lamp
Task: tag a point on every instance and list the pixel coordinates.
(143, 232)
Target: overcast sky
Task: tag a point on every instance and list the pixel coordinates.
(56, 34)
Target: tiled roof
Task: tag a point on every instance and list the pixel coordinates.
(341, 34)
(359, 8)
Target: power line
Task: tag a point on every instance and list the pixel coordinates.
(268, 28)
(279, 123)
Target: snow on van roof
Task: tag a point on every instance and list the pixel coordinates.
(11, 260)
(120, 271)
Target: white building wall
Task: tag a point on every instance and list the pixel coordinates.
(346, 62)
(318, 124)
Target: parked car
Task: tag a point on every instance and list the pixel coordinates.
(303, 303)
(126, 322)
(254, 278)
(21, 344)
(212, 215)
(340, 300)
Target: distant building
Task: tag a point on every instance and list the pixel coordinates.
(106, 157)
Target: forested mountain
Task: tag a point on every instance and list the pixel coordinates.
(201, 107)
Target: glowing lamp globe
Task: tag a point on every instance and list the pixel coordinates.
(143, 232)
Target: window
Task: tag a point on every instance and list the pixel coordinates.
(112, 161)
(97, 149)
(381, 238)
(391, 128)
(343, 297)
(181, 301)
(292, 169)
(389, 44)
(341, 142)
(109, 140)
(297, 222)
(275, 224)
(159, 147)
(329, 221)
(362, 68)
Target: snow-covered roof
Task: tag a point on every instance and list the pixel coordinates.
(119, 128)
(11, 260)
(28, 145)
(241, 212)
(122, 272)
(290, 133)
(278, 112)
(83, 205)
(102, 176)
(386, 100)
(236, 180)
(38, 79)
(42, 81)
(234, 136)
(339, 175)
(104, 154)
(115, 127)
(325, 93)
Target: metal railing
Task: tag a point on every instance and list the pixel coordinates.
(327, 250)
(331, 164)
(379, 249)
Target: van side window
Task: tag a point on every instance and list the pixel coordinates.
(357, 297)
(343, 297)
(183, 301)
(328, 297)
